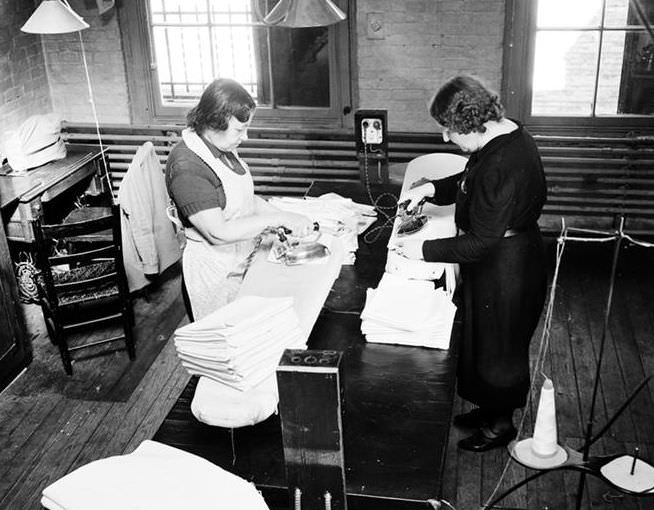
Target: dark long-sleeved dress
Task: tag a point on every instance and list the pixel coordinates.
(503, 276)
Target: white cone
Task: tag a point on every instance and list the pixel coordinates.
(542, 451)
(545, 436)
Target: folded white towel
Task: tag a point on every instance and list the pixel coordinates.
(239, 315)
(408, 312)
(154, 476)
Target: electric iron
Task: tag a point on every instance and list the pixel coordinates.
(410, 221)
(295, 251)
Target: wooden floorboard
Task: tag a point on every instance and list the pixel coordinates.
(45, 435)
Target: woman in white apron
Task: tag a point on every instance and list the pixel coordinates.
(214, 194)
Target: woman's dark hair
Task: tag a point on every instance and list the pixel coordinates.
(222, 99)
(463, 104)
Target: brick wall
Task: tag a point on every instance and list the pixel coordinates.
(104, 56)
(23, 83)
(406, 49)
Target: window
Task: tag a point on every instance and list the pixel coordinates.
(590, 60)
(297, 76)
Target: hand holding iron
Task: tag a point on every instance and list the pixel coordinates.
(298, 224)
(417, 194)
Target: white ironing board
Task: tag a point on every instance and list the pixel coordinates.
(440, 222)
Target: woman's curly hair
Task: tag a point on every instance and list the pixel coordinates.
(463, 104)
(222, 99)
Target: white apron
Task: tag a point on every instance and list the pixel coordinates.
(213, 273)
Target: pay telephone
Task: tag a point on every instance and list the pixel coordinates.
(372, 145)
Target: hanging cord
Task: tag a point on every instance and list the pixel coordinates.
(107, 176)
(598, 237)
(375, 233)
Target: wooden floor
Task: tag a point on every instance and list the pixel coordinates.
(44, 435)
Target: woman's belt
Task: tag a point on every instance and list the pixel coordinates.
(510, 232)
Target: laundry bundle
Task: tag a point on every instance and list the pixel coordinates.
(408, 312)
(336, 215)
(154, 475)
(239, 345)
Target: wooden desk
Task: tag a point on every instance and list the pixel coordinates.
(23, 197)
(397, 404)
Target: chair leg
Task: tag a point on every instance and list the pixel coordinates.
(50, 328)
(62, 343)
(128, 320)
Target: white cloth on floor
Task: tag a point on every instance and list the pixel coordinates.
(154, 476)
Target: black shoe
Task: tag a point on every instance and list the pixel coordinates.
(484, 439)
(471, 420)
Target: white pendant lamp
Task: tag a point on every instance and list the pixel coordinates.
(304, 13)
(54, 17)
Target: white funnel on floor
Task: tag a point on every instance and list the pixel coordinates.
(542, 451)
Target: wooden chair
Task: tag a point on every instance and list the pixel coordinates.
(81, 290)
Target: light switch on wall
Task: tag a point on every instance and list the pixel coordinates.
(375, 25)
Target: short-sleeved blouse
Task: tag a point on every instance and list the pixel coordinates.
(192, 184)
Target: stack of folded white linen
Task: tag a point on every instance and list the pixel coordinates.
(408, 312)
(338, 216)
(240, 344)
(154, 476)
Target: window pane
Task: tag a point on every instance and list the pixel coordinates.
(616, 13)
(301, 66)
(564, 72)
(623, 12)
(178, 11)
(183, 62)
(626, 82)
(234, 55)
(221, 39)
(610, 76)
(569, 13)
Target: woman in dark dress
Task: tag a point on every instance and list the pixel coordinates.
(499, 197)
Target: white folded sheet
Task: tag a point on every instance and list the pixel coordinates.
(408, 312)
(154, 476)
(238, 316)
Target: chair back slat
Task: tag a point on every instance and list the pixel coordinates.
(109, 252)
(87, 284)
(57, 231)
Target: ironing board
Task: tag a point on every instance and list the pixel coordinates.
(440, 222)
(397, 402)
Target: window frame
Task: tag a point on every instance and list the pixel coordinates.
(146, 107)
(518, 66)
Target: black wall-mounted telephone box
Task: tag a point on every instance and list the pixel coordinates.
(371, 136)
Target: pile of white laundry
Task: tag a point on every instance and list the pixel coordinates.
(337, 216)
(408, 312)
(240, 344)
(153, 476)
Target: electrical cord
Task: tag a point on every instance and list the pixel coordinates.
(373, 234)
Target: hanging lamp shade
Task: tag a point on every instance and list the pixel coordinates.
(54, 17)
(304, 13)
